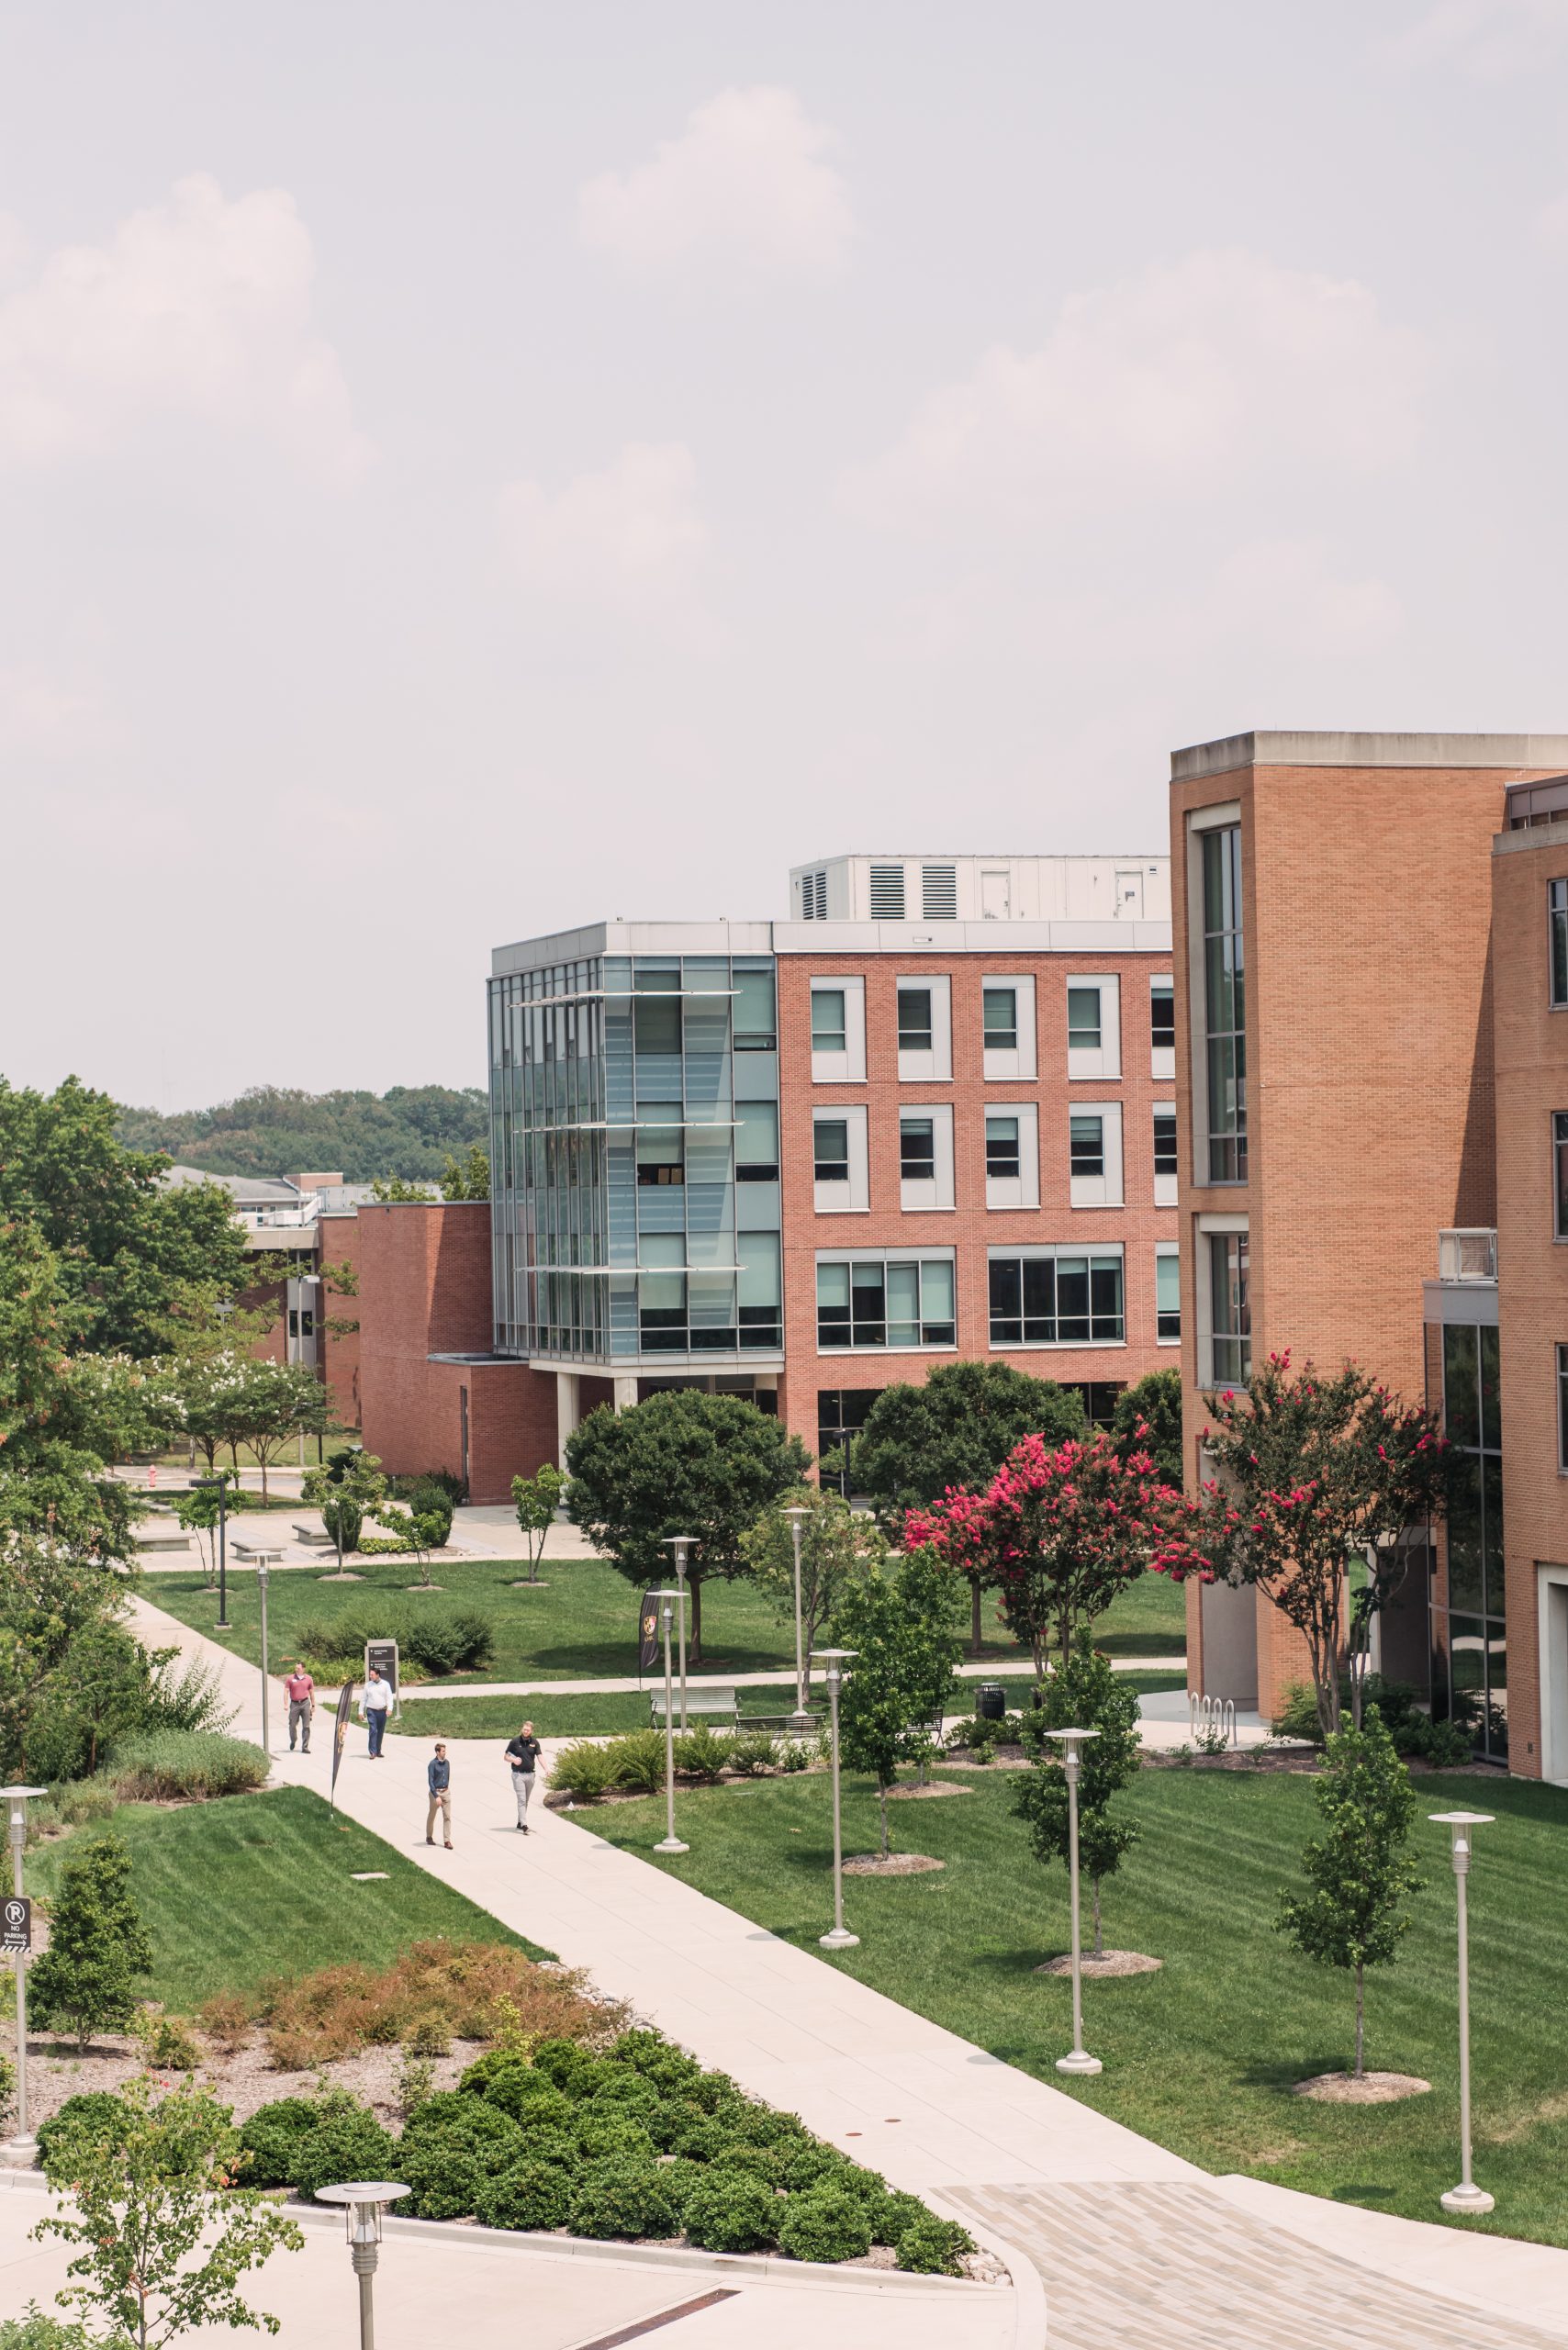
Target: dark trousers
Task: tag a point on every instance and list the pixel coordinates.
(376, 1722)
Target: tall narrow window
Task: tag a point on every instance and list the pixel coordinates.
(756, 1021)
(1086, 1136)
(830, 1138)
(1083, 1030)
(1163, 1016)
(1224, 1005)
(1562, 1408)
(915, 1020)
(917, 1151)
(827, 1020)
(1003, 1161)
(1000, 1013)
(1167, 1294)
(1165, 1142)
(1231, 1311)
(1557, 925)
(756, 1142)
(1560, 1173)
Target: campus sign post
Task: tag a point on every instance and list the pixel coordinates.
(17, 1913)
(672, 1843)
(1466, 2198)
(1079, 2059)
(839, 1937)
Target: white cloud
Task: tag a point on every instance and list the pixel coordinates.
(745, 181)
(1492, 38)
(629, 541)
(1188, 379)
(196, 309)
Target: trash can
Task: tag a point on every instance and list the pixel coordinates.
(991, 1704)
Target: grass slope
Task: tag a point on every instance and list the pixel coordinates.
(1202, 2057)
(250, 1886)
(582, 1622)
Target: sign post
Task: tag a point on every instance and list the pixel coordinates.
(383, 1656)
(16, 1916)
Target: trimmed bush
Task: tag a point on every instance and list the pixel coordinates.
(806, 2162)
(893, 2217)
(528, 2096)
(711, 2090)
(621, 2091)
(760, 2125)
(620, 2198)
(582, 1770)
(758, 2162)
(734, 2211)
(600, 2134)
(658, 2059)
(825, 2225)
(91, 2110)
(469, 2125)
(931, 2247)
(637, 1761)
(575, 2072)
(349, 2142)
(683, 2130)
(702, 1753)
(531, 2195)
(435, 1641)
(752, 1752)
(683, 2179)
(445, 2179)
(200, 1763)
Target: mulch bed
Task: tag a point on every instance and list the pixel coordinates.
(895, 1864)
(1108, 1963)
(1372, 2088)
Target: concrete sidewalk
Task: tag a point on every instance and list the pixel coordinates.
(930, 2110)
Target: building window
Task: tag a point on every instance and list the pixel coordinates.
(1099, 1398)
(1094, 1025)
(885, 1302)
(1056, 1297)
(760, 1290)
(887, 894)
(1471, 1680)
(939, 892)
(842, 1412)
(1162, 1025)
(917, 1151)
(1001, 1015)
(655, 1011)
(1230, 1322)
(1560, 1173)
(1094, 1156)
(1083, 1020)
(925, 1156)
(1167, 1295)
(1003, 1163)
(756, 1142)
(755, 1019)
(830, 1139)
(1562, 1409)
(1557, 920)
(661, 1295)
(829, 1030)
(1087, 1140)
(1164, 1142)
(838, 1032)
(915, 1020)
(661, 1155)
(1224, 1005)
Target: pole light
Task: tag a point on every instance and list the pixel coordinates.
(1079, 2059)
(796, 1518)
(261, 1587)
(21, 2146)
(840, 1937)
(672, 1843)
(1466, 2198)
(365, 2202)
(219, 1486)
(680, 1544)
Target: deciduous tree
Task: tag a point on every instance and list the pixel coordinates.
(536, 1499)
(1084, 1693)
(467, 1178)
(1148, 1418)
(906, 1644)
(838, 1550)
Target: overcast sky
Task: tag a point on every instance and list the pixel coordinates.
(468, 470)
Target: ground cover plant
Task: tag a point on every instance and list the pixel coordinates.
(1203, 2056)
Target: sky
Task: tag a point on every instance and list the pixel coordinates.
(469, 471)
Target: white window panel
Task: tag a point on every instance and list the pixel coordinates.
(1101, 1189)
(1167, 1293)
(935, 1191)
(838, 1137)
(1161, 1022)
(925, 1011)
(838, 1032)
(1004, 1189)
(1095, 1027)
(1164, 1179)
(1017, 1058)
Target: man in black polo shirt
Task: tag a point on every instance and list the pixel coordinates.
(522, 1753)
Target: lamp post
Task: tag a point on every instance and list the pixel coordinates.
(364, 2201)
(680, 1544)
(1079, 2059)
(672, 1843)
(262, 1588)
(21, 2146)
(1466, 2198)
(219, 1486)
(795, 1518)
(840, 1937)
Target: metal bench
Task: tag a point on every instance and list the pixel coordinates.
(315, 1538)
(807, 1724)
(257, 1554)
(705, 1700)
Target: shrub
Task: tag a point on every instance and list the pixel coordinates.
(615, 2089)
(756, 2162)
(80, 1803)
(702, 1753)
(528, 2097)
(683, 2179)
(826, 2224)
(39, 2332)
(711, 2090)
(582, 1769)
(760, 2125)
(684, 2129)
(1448, 1745)
(931, 2247)
(656, 2059)
(603, 2134)
(469, 1985)
(637, 1761)
(191, 1699)
(347, 2143)
(620, 2198)
(200, 1763)
(97, 1947)
(1297, 1717)
(806, 2162)
(752, 1752)
(226, 2019)
(892, 2216)
(531, 2195)
(167, 2041)
(445, 2180)
(793, 1756)
(91, 2108)
(434, 1640)
(571, 2068)
(734, 2211)
(470, 2124)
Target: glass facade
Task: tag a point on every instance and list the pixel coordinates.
(634, 1150)
(897, 1299)
(1469, 1669)
(1225, 1004)
(1056, 1297)
(1231, 1311)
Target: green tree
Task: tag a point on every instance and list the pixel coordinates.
(164, 2233)
(1148, 1418)
(536, 1499)
(467, 1178)
(407, 1131)
(838, 1550)
(199, 1513)
(347, 1489)
(951, 1435)
(1084, 1693)
(275, 1403)
(398, 1192)
(683, 1463)
(52, 1594)
(1356, 1869)
(897, 1688)
(97, 1945)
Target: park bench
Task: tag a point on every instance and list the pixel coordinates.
(257, 1554)
(705, 1700)
(315, 1538)
(163, 1542)
(807, 1725)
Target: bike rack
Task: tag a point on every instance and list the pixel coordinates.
(1207, 1715)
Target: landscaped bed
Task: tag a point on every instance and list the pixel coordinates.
(1204, 2055)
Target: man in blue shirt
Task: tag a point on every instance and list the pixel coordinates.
(438, 1778)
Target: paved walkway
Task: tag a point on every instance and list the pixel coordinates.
(775, 1678)
(930, 2110)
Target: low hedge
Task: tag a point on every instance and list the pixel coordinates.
(533, 2195)
(933, 2248)
(620, 2198)
(434, 1640)
(202, 1763)
(90, 2110)
(306, 2143)
(733, 2210)
(826, 2224)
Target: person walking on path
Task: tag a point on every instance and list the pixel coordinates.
(373, 1704)
(522, 1753)
(301, 1692)
(438, 1778)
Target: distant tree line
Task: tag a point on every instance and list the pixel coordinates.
(410, 1132)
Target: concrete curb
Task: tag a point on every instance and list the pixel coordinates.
(1028, 2285)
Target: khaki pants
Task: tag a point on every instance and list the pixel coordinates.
(441, 1802)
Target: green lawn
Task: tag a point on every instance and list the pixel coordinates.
(580, 1623)
(1202, 2057)
(250, 1886)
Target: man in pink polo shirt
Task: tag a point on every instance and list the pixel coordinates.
(301, 1706)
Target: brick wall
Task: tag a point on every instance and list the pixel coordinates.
(970, 1227)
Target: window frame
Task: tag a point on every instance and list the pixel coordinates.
(1022, 1190)
(923, 1194)
(850, 1194)
(1161, 1055)
(1559, 1174)
(1103, 1059)
(1557, 946)
(1090, 1263)
(929, 1064)
(1167, 1252)
(845, 1067)
(1106, 1189)
(937, 1264)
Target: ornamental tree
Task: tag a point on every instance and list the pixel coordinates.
(1059, 1531)
(1315, 1471)
(1356, 1869)
(898, 1685)
(1084, 1693)
(536, 1499)
(838, 1550)
(97, 1945)
(346, 1489)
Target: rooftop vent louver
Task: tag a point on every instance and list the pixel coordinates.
(887, 894)
(939, 892)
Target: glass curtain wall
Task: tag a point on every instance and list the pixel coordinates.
(1224, 1005)
(1470, 1668)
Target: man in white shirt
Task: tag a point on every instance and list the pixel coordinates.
(373, 1704)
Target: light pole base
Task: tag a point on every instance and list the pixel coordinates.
(19, 2153)
(1469, 2201)
(1080, 2061)
(672, 1844)
(840, 1937)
